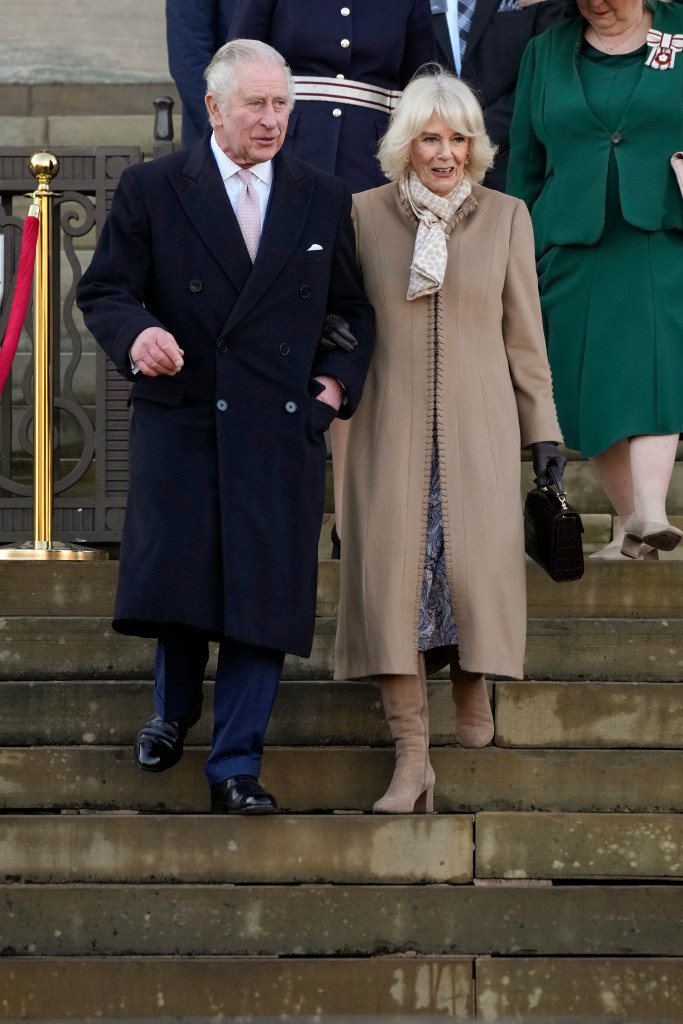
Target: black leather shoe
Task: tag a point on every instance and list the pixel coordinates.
(241, 794)
(159, 744)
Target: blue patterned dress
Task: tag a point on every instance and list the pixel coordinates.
(437, 627)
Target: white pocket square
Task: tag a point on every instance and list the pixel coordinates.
(314, 248)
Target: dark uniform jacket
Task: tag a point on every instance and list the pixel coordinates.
(376, 42)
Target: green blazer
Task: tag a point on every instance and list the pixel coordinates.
(559, 152)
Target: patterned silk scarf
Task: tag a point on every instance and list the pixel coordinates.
(434, 214)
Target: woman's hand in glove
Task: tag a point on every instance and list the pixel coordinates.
(336, 334)
(548, 463)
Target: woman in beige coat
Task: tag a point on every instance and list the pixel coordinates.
(433, 552)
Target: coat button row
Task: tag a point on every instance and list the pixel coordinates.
(222, 347)
(196, 286)
(222, 405)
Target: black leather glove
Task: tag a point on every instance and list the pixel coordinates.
(548, 463)
(336, 334)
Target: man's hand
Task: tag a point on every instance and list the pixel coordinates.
(155, 352)
(333, 394)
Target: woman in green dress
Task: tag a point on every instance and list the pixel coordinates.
(599, 112)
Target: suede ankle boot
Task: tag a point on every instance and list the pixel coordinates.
(405, 706)
(473, 718)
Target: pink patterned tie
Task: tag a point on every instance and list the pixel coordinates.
(249, 213)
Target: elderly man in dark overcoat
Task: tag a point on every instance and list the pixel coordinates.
(218, 328)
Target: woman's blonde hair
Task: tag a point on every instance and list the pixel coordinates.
(435, 92)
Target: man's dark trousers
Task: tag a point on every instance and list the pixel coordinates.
(246, 684)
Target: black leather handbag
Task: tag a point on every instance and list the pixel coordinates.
(552, 534)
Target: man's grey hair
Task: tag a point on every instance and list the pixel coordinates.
(223, 71)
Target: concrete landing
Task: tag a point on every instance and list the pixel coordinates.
(72, 41)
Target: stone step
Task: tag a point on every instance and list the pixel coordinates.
(545, 989)
(306, 780)
(339, 849)
(281, 850)
(333, 920)
(606, 714)
(573, 847)
(323, 713)
(259, 989)
(607, 589)
(76, 647)
(55, 130)
(642, 989)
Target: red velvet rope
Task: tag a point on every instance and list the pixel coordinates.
(22, 292)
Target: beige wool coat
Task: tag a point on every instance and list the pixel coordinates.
(492, 392)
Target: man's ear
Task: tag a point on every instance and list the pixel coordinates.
(212, 107)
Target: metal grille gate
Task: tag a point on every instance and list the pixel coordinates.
(91, 399)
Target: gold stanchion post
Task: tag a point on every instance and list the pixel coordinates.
(44, 167)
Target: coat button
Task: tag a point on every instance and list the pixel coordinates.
(616, 138)
(222, 346)
(345, 43)
(291, 406)
(345, 11)
(196, 286)
(221, 405)
(339, 76)
(305, 291)
(336, 112)
(284, 349)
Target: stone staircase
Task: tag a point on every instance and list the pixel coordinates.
(547, 886)
(75, 74)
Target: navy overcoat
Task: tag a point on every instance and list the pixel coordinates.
(376, 42)
(227, 459)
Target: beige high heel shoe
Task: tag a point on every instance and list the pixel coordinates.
(662, 536)
(612, 553)
(405, 706)
(474, 725)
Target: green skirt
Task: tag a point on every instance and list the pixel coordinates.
(613, 314)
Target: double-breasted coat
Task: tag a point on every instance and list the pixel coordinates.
(227, 458)
(375, 42)
(489, 391)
